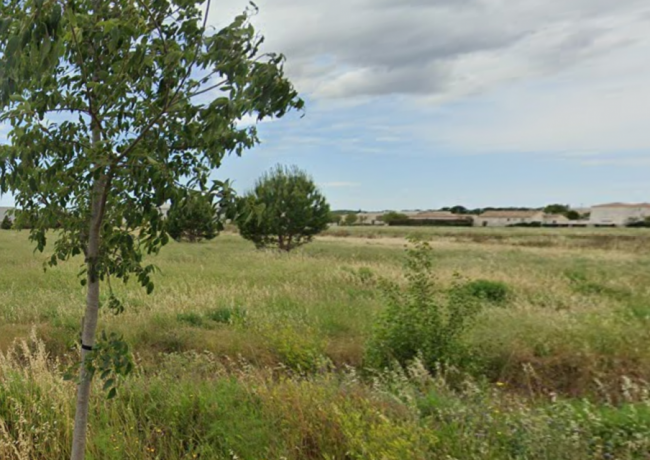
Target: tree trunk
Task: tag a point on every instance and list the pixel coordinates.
(98, 197)
(98, 205)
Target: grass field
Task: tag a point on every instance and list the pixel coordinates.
(258, 355)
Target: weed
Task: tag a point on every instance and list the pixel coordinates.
(193, 319)
(496, 292)
(226, 315)
(417, 321)
(299, 350)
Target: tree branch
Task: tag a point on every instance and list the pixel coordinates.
(155, 22)
(209, 89)
(168, 102)
(84, 76)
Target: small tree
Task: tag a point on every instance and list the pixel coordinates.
(284, 210)
(350, 219)
(572, 215)
(6, 224)
(458, 210)
(194, 218)
(335, 218)
(393, 217)
(116, 108)
(557, 209)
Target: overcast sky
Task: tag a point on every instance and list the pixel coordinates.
(427, 103)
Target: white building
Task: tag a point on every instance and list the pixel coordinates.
(443, 218)
(618, 214)
(556, 219)
(370, 218)
(508, 218)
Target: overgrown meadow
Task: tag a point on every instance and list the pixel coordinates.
(258, 355)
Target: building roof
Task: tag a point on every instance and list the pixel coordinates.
(509, 214)
(623, 205)
(439, 215)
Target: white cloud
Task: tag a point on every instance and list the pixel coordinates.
(346, 48)
(526, 76)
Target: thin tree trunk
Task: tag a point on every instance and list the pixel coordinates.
(97, 207)
(98, 204)
(90, 318)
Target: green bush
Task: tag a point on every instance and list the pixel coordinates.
(285, 210)
(418, 321)
(496, 292)
(6, 223)
(193, 319)
(298, 350)
(193, 219)
(226, 315)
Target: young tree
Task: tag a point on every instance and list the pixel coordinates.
(335, 218)
(393, 218)
(194, 218)
(350, 219)
(284, 210)
(557, 209)
(115, 108)
(6, 224)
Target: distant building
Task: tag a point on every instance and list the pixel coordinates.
(442, 218)
(508, 218)
(370, 218)
(618, 214)
(555, 219)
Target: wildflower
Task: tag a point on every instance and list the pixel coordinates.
(501, 384)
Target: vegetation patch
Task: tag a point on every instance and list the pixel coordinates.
(417, 323)
(495, 292)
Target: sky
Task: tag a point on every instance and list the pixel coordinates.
(420, 104)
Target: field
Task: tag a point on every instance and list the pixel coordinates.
(258, 355)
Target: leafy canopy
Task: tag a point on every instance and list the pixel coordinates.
(394, 217)
(557, 209)
(133, 99)
(284, 210)
(194, 219)
(350, 219)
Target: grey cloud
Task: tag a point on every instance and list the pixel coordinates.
(346, 48)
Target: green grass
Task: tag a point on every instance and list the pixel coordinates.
(252, 354)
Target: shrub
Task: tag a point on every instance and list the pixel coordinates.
(193, 319)
(285, 210)
(6, 223)
(393, 216)
(300, 350)
(419, 321)
(350, 219)
(226, 315)
(193, 219)
(496, 292)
